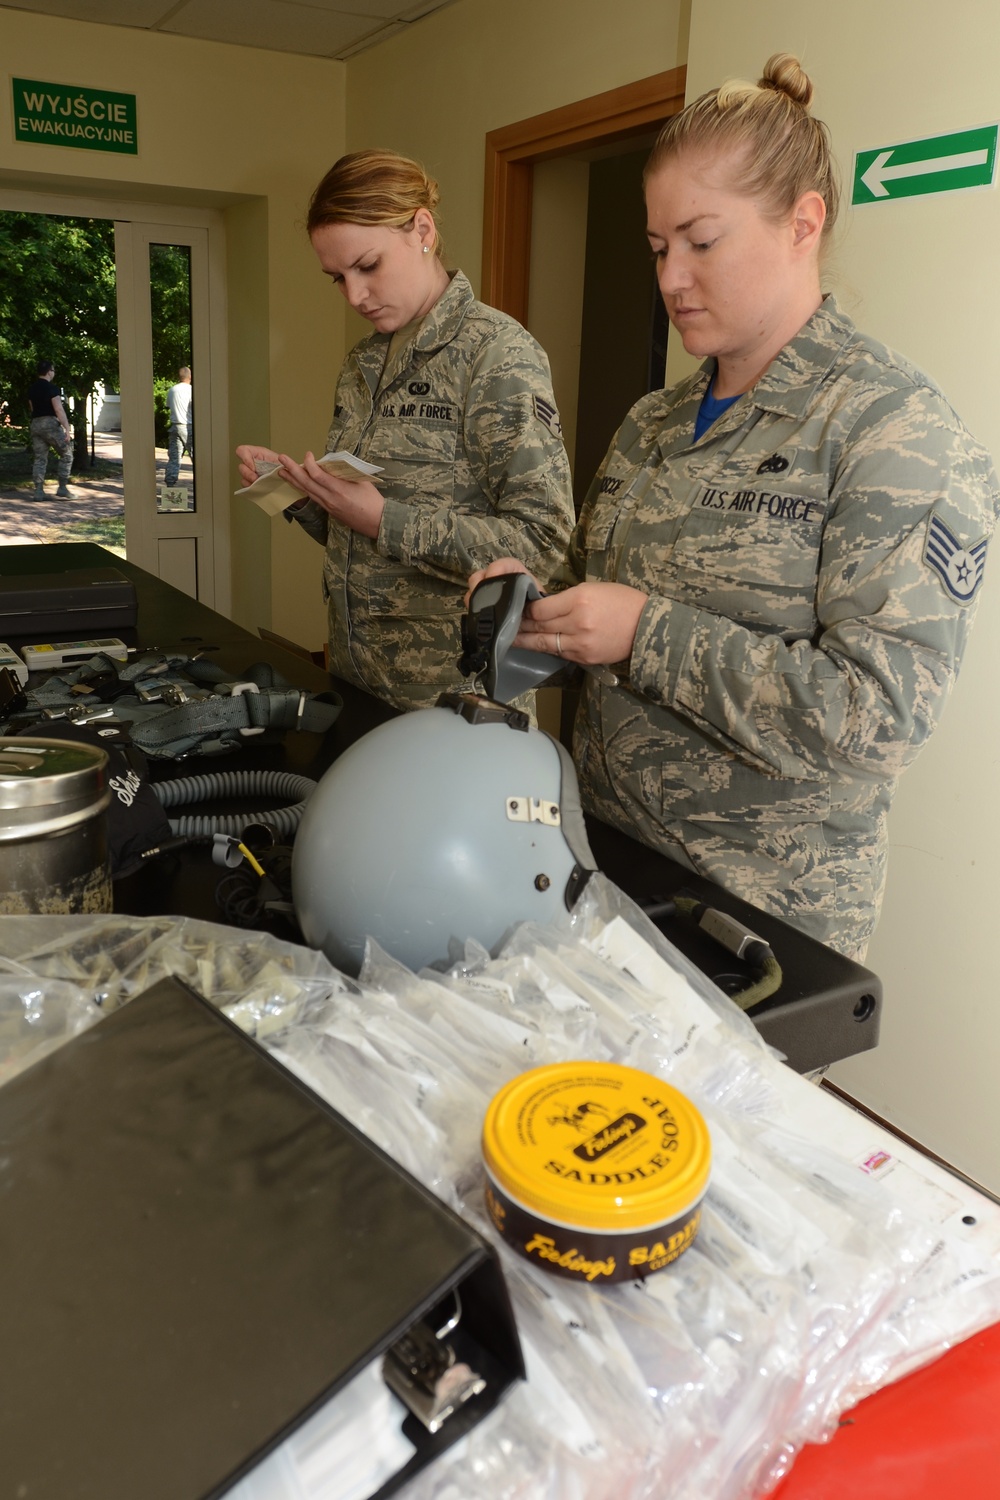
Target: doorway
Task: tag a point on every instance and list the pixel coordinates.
(59, 364)
(589, 155)
(563, 149)
(623, 324)
(168, 294)
(167, 428)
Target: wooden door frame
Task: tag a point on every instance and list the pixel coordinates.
(512, 151)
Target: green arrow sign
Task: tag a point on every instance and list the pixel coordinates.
(939, 164)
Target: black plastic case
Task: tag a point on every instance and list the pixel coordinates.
(44, 607)
(196, 1253)
(827, 1008)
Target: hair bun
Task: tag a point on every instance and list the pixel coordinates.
(432, 192)
(784, 74)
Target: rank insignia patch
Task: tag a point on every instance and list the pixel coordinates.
(959, 568)
(546, 413)
(776, 464)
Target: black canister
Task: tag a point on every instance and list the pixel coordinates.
(54, 798)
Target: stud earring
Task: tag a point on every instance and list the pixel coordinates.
(426, 249)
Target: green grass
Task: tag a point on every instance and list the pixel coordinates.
(15, 469)
(13, 439)
(109, 533)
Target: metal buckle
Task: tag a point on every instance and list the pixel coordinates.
(81, 713)
(423, 1371)
(237, 690)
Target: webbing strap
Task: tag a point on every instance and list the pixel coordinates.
(209, 726)
(208, 721)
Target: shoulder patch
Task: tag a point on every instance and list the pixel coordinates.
(547, 415)
(959, 568)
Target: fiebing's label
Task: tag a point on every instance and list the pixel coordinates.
(595, 1170)
(612, 1135)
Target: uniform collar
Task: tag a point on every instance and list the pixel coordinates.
(787, 386)
(789, 383)
(437, 328)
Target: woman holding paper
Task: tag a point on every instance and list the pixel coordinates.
(453, 401)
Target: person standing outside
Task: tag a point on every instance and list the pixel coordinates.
(179, 431)
(49, 429)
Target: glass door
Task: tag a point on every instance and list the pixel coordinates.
(163, 276)
(170, 276)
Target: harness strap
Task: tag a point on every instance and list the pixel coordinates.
(212, 719)
(210, 725)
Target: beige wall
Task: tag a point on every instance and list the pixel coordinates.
(435, 90)
(921, 275)
(250, 132)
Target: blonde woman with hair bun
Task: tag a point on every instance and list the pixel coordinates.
(782, 555)
(453, 401)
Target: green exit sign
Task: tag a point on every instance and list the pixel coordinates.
(55, 114)
(937, 164)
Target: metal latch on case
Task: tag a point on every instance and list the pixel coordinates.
(424, 1372)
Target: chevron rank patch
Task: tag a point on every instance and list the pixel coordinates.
(547, 414)
(959, 568)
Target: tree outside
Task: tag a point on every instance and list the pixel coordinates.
(57, 301)
(170, 307)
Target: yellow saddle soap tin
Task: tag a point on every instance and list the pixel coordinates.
(594, 1170)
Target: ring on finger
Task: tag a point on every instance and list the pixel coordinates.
(558, 644)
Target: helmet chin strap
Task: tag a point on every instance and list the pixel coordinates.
(500, 669)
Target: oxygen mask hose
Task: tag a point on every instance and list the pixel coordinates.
(735, 938)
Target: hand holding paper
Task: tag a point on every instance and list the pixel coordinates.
(273, 491)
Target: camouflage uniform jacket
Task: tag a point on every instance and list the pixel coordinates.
(813, 566)
(464, 425)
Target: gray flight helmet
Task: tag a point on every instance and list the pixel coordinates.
(451, 822)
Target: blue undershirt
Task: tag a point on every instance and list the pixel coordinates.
(710, 410)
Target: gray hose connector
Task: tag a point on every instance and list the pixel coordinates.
(188, 789)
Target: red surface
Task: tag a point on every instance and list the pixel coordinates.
(934, 1435)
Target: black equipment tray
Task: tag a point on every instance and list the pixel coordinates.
(827, 1007)
(50, 607)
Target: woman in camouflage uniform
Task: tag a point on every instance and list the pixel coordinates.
(453, 400)
(782, 554)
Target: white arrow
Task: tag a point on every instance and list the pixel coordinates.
(878, 173)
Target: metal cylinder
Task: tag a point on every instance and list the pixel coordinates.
(54, 798)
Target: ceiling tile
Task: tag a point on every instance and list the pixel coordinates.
(375, 10)
(274, 24)
(320, 28)
(109, 12)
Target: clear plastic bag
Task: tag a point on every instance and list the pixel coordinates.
(810, 1283)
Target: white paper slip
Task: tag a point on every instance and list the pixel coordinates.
(274, 493)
